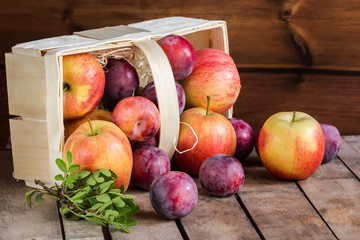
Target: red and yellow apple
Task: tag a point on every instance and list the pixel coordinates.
(215, 75)
(215, 135)
(83, 85)
(71, 125)
(291, 145)
(101, 144)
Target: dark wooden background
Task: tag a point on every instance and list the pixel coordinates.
(299, 55)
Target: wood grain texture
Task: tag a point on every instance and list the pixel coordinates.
(279, 208)
(331, 99)
(350, 156)
(150, 225)
(217, 218)
(17, 221)
(335, 193)
(81, 230)
(266, 34)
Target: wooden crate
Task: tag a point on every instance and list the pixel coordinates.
(34, 81)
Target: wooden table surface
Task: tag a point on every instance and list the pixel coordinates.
(324, 206)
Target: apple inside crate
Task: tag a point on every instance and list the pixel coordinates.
(35, 84)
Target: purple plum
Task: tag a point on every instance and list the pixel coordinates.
(221, 175)
(138, 144)
(150, 93)
(332, 142)
(180, 53)
(173, 195)
(148, 163)
(121, 81)
(245, 139)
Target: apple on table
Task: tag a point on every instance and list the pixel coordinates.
(215, 135)
(291, 145)
(83, 85)
(101, 144)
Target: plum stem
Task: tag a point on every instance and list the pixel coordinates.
(91, 128)
(208, 98)
(293, 116)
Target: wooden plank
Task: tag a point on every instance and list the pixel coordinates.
(76, 230)
(16, 220)
(262, 34)
(218, 218)
(150, 224)
(354, 141)
(267, 93)
(279, 208)
(335, 193)
(351, 157)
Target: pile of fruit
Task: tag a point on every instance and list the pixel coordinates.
(124, 137)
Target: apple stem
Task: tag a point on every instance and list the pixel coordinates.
(91, 128)
(208, 98)
(293, 118)
(66, 87)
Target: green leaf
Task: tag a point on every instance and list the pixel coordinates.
(39, 199)
(113, 175)
(111, 212)
(118, 202)
(97, 177)
(105, 206)
(69, 157)
(91, 181)
(105, 186)
(103, 198)
(28, 196)
(82, 174)
(61, 165)
(106, 172)
(133, 211)
(122, 188)
(95, 220)
(70, 180)
(131, 222)
(96, 206)
(59, 177)
(74, 168)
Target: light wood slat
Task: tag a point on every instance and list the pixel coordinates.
(16, 220)
(351, 157)
(354, 141)
(335, 193)
(218, 218)
(82, 230)
(278, 207)
(150, 224)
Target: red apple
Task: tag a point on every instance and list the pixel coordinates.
(102, 145)
(83, 85)
(291, 145)
(72, 124)
(215, 75)
(215, 135)
(137, 117)
(180, 53)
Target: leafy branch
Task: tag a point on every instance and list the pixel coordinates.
(88, 195)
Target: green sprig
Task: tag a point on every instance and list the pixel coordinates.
(88, 195)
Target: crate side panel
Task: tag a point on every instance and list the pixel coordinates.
(199, 40)
(26, 85)
(30, 149)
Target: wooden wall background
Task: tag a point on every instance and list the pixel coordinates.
(299, 55)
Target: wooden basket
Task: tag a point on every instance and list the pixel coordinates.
(34, 82)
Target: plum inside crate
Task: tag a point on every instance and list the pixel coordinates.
(34, 81)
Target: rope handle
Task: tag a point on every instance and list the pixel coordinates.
(196, 142)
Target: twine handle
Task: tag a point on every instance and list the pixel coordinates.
(196, 142)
